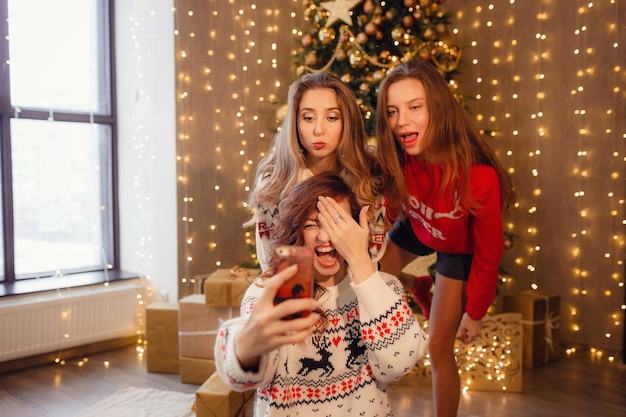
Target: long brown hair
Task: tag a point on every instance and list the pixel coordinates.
(451, 140)
(296, 209)
(277, 173)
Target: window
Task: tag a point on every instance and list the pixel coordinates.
(57, 135)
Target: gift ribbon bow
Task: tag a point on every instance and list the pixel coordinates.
(239, 271)
(550, 323)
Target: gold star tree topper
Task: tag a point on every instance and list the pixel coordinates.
(339, 10)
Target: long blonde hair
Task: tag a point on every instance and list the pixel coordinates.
(277, 173)
(451, 140)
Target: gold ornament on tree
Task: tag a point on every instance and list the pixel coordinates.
(361, 38)
(371, 28)
(368, 6)
(311, 59)
(307, 40)
(326, 35)
(357, 58)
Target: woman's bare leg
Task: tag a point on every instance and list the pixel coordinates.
(446, 311)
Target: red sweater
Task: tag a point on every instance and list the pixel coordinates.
(441, 223)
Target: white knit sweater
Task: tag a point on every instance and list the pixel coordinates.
(371, 339)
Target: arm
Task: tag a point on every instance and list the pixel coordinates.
(488, 245)
(378, 239)
(263, 229)
(393, 337)
(245, 345)
(264, 216)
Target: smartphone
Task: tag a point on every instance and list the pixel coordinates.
(302, 284)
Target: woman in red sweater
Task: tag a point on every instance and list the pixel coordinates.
(443, 179)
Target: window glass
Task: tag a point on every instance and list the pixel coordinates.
(60, 201)
(57, 55)
(59, 140)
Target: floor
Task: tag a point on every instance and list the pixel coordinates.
(574, 386)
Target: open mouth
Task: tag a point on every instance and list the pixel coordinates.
(409, 139)
(326, 256)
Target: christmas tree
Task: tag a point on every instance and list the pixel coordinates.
(360, 40)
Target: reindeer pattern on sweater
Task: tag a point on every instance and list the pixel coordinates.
(371, 339)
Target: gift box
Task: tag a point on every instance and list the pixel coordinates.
(492, 362)
(540, 312)
(195, 370)
(216, 399)
(226, 287)
(198, 325)
(162, 338)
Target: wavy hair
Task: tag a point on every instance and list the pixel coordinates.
(451, 140)
(277, 173)
(296, 209)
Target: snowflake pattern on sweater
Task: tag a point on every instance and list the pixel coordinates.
(371, 339)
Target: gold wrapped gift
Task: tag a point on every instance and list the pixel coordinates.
(226, 287)
(198, 325)
(216, 399)
(162, 338)
(492, 362)
(541, 317)
(195, 370)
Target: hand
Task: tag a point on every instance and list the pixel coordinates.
(265, 330)
(348, 237)
(470, 328)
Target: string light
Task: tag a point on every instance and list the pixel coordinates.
(563, 146)
(229, 80)
(536, 91)
(492, 362)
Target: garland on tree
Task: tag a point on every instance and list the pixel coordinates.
(360, 40)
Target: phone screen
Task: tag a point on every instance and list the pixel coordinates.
(301, 285)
